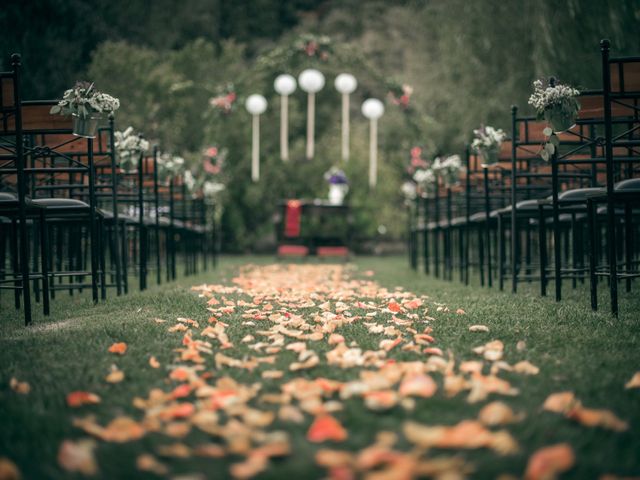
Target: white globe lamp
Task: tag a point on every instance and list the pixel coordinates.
(373, 109)
(345, 83)
(311, 81)
(255, 105)
(284, 85)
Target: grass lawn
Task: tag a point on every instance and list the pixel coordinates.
(590, 354)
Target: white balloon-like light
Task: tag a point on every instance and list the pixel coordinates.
(256, 104)
(311, 80)
(285, 84)
(372, 108)
(346, 83)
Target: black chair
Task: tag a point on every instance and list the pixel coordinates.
(621, 91)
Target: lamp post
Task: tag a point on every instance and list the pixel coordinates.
(372, 108)
(256, 105)
(311, 81)
(285, 85)
(345, 84)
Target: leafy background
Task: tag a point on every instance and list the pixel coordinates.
(467, 61)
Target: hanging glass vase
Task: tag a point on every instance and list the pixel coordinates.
(85, 126)
(489, 157)
(560, 119)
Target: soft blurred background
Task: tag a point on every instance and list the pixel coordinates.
(467, 62)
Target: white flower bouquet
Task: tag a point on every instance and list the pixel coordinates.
(83, 100)
(487, 142)
(425, 179)
(129, 146)
(409, 190)
(448, 169)
(169, 166)
(556, 103)
(210, 188)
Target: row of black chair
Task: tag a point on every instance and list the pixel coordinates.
(573, 218)
(69, 213)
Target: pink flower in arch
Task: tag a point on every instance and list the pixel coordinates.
(211, 152)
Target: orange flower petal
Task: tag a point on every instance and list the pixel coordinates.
(79, 398)
(547, 462)
(394, 307)
(326, 427)
(120, 348)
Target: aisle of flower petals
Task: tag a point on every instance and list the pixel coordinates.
(298, 332)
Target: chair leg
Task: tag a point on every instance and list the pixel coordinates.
(461, 239)
(528, 251)
(557, 256)
(15, 265)
(613, 271)
(102, 262)
(3, 253)
(44, 261)
(628, 240)
(72, 253)
(425, 250)
(573, 233)
(93, 245)
(501, 252)
(481, 254)
(542, 235)
(34, 261)
(117, 254)
(125, 259)
(593, 258)
(436, 251)
(143, 257)
(24, 267)
(168, 247)
(158, 261)
(488, 253)
(467, 249)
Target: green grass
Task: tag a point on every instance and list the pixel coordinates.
(589, 353)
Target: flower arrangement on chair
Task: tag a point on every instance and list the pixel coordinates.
(169, 166)
(129, 146)
(487, 142)
(409, 190)
(86, 105)
(557, 104)
(425, 180)
(338, 185)
(448, 169)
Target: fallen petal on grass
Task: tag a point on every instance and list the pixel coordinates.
(9, 470)
(79, 398)
(326, 427)
(78, 456)
(119, 348)
(548, 462)
(23, 388)
(634, 382)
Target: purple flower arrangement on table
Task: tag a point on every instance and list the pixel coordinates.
(335, 176)
(338, 185)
